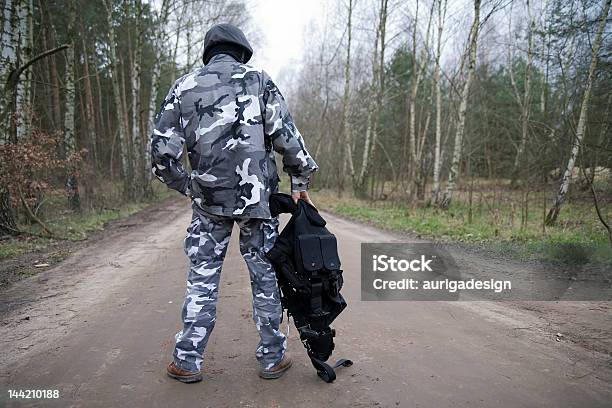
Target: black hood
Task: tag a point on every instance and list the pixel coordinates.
(223, 37)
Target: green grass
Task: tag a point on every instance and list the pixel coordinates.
(71, 225)
(578, 237)
(14, 246)
(76, 226)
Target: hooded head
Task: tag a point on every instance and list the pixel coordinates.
(226, 39)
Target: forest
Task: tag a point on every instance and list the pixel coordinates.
(475, 120)
(483, 120)
(83, 81)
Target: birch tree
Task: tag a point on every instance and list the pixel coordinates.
(359, 183)
(378, 90)
(7, 108)
(119, 107)
(554, 211)
(348, 153)
(160, 38)
(10, 60)
(524, 100)
(438, 90)
(70, 145)
(416, 142)
(137, 140)
(461, 115)
(22, 114)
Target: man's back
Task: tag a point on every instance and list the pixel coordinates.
(231, 117)
(222, 114)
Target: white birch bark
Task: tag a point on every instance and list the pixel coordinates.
(554, 211)
(69, 131)
(15, 34)
(23, 109)
(137, 141)
(544, 56)
(456, 159)
(438, 90)
(8, 60)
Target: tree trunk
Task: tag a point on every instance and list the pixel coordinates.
(54, 78)
(9, 94)
(23, 109)
(159, 40)
(90, 117)
(119, 107)
(9, 62)
(70, 143)
(137, 142)
(8, 225)
(381, 80)
(101, 129)
(379, 75)
(348, 159)
(525, 104)
(435, 192)
(415, 142)
(554, 211)
(461, 115)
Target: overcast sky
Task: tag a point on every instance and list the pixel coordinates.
(281, 24)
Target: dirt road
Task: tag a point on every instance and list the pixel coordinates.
(99, 328)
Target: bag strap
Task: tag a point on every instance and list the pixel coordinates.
(316, 303)
(325, 371)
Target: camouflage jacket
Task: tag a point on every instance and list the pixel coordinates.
(231, 117)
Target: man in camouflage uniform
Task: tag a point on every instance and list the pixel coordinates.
(232, 118)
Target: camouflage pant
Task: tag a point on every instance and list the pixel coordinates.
(206, 244)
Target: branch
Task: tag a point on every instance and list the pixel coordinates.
(14, 75)
(33, 216)
(596, 203)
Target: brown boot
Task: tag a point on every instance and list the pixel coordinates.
(183, 375)
(278, 370)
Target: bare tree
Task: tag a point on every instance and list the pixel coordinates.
(26, 38)
(70, 143)
(119, 107)
(461, 115)
(524, 101)
(348, 159)
(437, 87)
(379, 88)
(416, 142)
(137, 141)
(90, 117)
(554, 211)
(159, 39)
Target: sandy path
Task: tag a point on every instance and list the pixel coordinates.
(99, 328)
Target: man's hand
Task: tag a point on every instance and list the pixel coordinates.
(301, 195)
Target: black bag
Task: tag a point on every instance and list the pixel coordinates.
(305, 257)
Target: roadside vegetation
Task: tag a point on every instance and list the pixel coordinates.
(67, 227)
(493, 220)
(482, 122)
(81, 84)
(486, 123)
